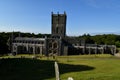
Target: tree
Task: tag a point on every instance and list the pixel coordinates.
(87, 38)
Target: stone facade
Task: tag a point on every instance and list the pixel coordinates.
(28, 45)
(58, 43)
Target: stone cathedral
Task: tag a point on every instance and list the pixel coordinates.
(58, 43)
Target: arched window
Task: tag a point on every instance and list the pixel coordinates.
(55, 45)
(50, 45)
(31, 50)
(38, 50)
(57, 29)
(24, 48)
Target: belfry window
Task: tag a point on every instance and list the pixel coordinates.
(56, 29)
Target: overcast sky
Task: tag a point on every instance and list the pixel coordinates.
(83, 16)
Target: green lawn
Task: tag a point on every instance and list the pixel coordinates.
(82, 67)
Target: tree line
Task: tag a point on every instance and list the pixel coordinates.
(108, 39)
(104, 39)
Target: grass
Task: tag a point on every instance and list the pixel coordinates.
(82, 67)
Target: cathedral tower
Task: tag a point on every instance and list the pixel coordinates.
(59, 24)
